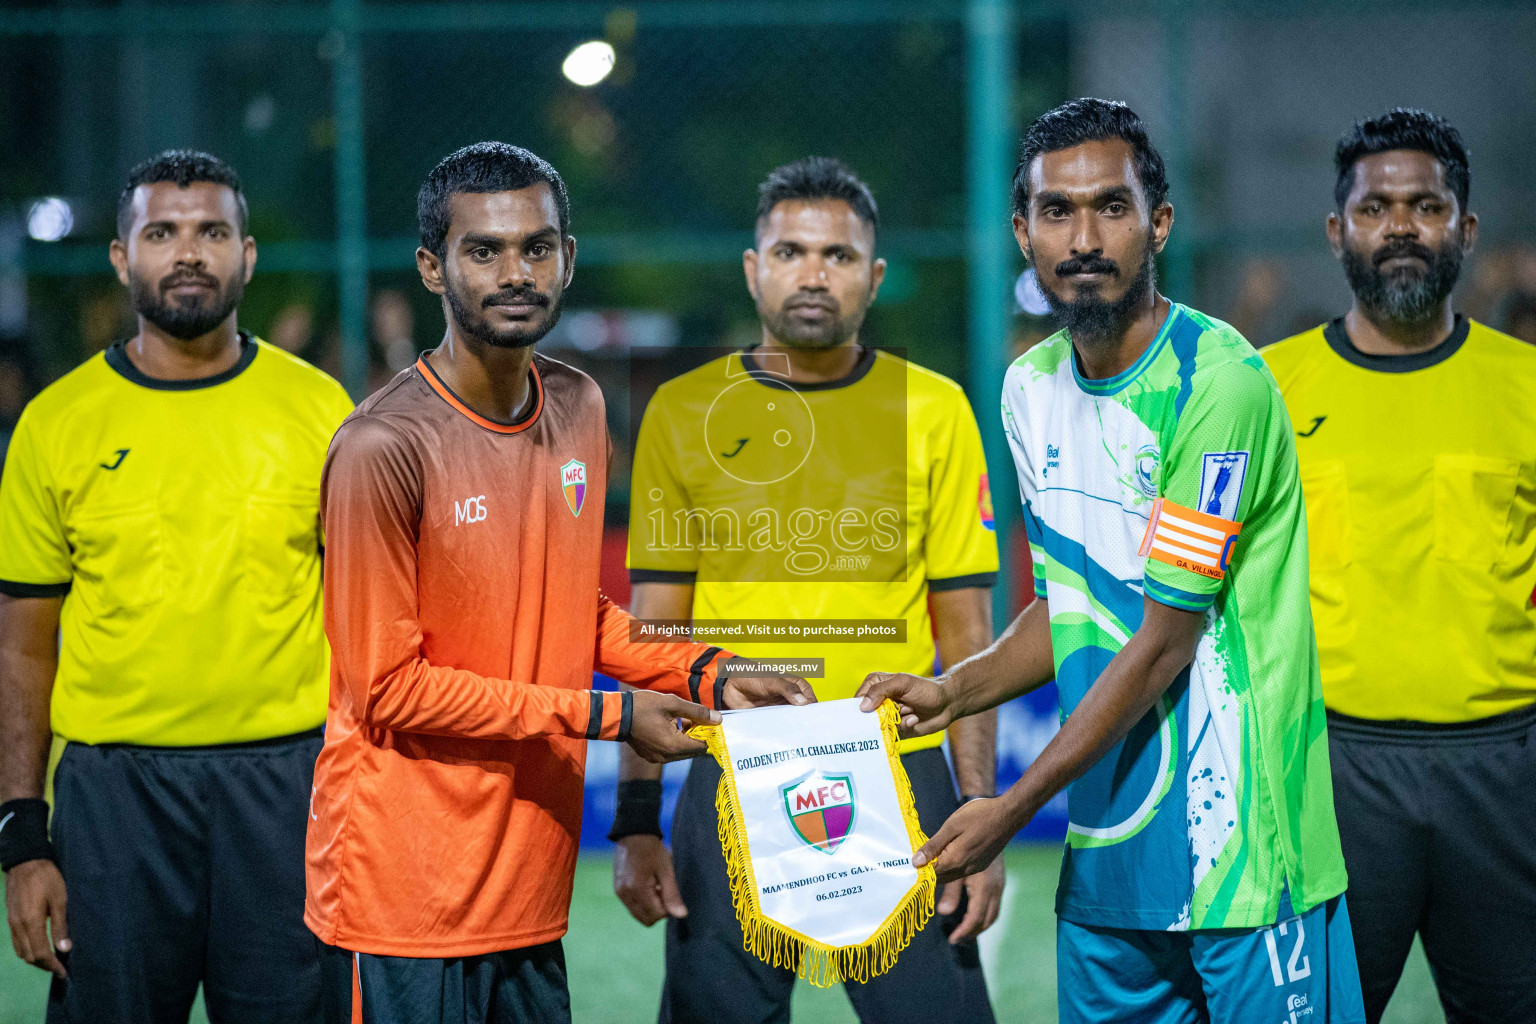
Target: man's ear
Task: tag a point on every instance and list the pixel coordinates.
(568, 243)
(431, 270)
(1468, 233)
(749, 267)
(248, 246)
(1334, 229)
(1162, 226)
(876, 276)
(1021, 233)
(117, 253)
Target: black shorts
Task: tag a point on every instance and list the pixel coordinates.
(185, 866)
(519, 986)
(1437, 824)
(711, 978)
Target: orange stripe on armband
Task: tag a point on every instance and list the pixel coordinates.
(1196, 541)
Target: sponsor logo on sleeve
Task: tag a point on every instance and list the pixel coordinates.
(1221, 483)
(984, 504)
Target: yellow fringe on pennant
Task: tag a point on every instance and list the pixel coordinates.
(818, 963)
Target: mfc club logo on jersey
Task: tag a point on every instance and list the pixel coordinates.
(573, 481)
(821, 808)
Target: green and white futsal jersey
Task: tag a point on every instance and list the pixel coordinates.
(1177, 480)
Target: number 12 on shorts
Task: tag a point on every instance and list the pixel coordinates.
(1298, 966)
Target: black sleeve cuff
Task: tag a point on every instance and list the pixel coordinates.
(11, 588)
(660, 576)
(626, 714)
(978, 579)
(696, 672)
(595, 715)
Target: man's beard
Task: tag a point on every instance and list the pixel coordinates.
(787, 329)
(1088, 319)
(1403, 295)
(186, 317)
(478, 327)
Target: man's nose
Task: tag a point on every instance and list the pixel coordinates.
(1085, 237)
(1400, 223)
(514, 271)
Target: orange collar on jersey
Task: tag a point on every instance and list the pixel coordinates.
(444, 392)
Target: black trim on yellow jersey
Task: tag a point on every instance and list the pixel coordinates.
(660, 576)
(117, 358)
(11, 588)
(1338, 340)
(315, 733)
(975, 579)
(861, 368)
(1409, 733)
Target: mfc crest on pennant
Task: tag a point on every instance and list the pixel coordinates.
(821, 809)
(573, 481)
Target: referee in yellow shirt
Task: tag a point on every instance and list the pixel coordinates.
(160, 508)
(1416, 435)
(811, 478)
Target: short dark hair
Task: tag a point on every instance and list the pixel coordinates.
(483, 167)
(1090, 120)
(183, 166)
(1403, 128)
(817, 177)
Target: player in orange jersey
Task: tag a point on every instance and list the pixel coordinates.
(463, 508)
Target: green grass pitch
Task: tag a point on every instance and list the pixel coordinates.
(615, 964)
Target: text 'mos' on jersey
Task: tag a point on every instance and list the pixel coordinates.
(1177, 480)
(812, 507)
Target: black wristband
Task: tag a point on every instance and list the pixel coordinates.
(24, 832)
(639, 810)
(976, 796)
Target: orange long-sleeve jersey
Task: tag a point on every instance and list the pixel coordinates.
(462, 607)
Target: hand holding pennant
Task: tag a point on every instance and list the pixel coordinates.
(818, 826)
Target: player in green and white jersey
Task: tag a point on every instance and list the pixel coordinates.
(1203, 875)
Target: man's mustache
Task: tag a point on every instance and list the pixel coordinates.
(516, 297)
(1401, 247)
(812, 300)
(182, 277)
(1087, 265)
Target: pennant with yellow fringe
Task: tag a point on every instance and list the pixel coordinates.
(818, 826)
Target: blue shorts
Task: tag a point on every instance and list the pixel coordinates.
(1300, 971)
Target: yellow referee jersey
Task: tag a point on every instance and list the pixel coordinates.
(846, 500)
(181, 519)
(1419, 474)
